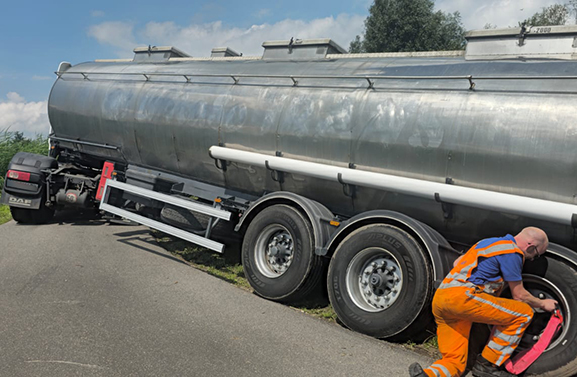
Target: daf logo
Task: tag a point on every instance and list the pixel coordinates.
(20, 201)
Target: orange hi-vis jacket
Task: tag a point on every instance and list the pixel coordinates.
(459, 275)
(458, 304)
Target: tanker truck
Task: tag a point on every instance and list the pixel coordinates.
(365, 174)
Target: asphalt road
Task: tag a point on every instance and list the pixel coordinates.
(89, 298)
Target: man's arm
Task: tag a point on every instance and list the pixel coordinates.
(519, 293)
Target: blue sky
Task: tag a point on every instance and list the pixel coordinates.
(36, 35)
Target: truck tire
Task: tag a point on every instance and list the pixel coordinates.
(278, 255)
(41, 215)
(380, 283)
(557, 280)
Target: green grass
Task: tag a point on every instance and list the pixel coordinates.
(5, 215)
(228, 268)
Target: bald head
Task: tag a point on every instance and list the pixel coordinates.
(532, 236)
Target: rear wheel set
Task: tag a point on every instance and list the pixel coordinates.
(379, 279)
(379, 283)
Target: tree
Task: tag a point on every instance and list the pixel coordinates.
(13, 142)
(409, 25)
(556, 14)
(356, 46)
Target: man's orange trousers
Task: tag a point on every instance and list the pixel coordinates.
(457, 308)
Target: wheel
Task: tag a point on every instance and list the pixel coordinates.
(21, 215)
(556, 280)
(278, 255)
(380, 283)
(41, 215)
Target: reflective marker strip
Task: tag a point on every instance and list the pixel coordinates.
(506, 352)
(442, 368)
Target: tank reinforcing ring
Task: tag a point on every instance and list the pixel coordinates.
(542, 288)
(374, 279)
(274, 251)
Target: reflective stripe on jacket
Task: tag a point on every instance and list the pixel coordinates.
(460, 274)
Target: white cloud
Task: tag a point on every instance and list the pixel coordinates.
(115, 33)
(502, 13)
(15, 97)
(199, 39)
(16, 114)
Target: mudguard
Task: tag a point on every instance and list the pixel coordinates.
(27, 194)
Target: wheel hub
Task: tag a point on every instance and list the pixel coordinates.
(280, 252)
(378, 279)
(274, 251)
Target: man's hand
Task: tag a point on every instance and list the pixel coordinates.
(549, 304)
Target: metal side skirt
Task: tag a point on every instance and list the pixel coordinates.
(196, 207)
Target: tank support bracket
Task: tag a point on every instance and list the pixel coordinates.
(276, 175)
(447, 208)
(574, 226)
(348, 189)
(220, 164)
(371, 83)
(471, 83)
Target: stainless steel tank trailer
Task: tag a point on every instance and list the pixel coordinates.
(361, 173)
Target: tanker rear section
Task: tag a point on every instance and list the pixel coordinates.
(357, 177)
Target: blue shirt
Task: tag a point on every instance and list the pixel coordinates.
(507, 266)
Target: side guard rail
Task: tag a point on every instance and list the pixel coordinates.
(168, 229)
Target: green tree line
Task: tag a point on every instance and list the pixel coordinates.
(14, 142)
(414, 25)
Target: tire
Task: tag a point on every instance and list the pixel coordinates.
(21, 215)
(380, 283)
(41, 215)
(278, 255)
(557, 280)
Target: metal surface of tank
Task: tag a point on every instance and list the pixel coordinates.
(514, 133)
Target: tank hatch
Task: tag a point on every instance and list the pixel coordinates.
(305, 49)
(223, 52)
(157, 54)
(528, 42)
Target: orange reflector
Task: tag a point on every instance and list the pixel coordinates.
(335, 223)
(218, 200)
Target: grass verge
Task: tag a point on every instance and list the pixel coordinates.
(5, 215)
(228, 268)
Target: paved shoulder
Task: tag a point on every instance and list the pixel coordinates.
(91, 298)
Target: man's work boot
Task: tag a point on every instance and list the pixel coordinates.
(484, 368)
(415, 370)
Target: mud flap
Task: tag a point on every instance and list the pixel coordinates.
(20, 201)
